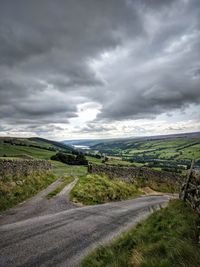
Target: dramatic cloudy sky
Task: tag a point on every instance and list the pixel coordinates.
(99, 68)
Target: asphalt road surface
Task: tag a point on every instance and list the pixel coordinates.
(64, 238)
(40, 204)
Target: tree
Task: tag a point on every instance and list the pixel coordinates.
(70, 159)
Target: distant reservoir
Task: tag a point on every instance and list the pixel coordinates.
(81, 147)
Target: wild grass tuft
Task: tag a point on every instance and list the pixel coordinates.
(14, 191)
(96, 189)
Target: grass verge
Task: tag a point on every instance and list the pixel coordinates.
(96, 189)
(65, 181)
(168, 238)
(15, 190)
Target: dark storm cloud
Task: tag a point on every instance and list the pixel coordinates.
(162, 73)
(48, 43)
(174, 88)
(47, 47)
(67, 29)
(27, 102)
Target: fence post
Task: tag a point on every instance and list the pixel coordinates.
(89, 167)
(183, 192)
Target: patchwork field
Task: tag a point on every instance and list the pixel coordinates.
(171, 154)
(35, 147)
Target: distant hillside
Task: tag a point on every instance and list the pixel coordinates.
(93, 142)
(34, 147)
(170, 154)
(84, 142)
(53, 143)
(165, 152)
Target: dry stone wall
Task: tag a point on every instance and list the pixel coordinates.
(22, 167)
(129, 174)
(193, 192)
(190, 191)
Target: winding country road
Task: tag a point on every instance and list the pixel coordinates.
(40, 205)
(64, 238)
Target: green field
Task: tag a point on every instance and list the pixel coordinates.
(94, 160)
(182, 148)
(16, 150)
(20, 147)
(35, 147)
(171, 154)
(62, 169)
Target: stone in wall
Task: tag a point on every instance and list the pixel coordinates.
(22, 167)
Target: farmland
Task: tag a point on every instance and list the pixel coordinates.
(35, 147)
(169, 153)
(38, 148)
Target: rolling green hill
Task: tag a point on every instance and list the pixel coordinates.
(181, 148)
(39, 148)
(172, 153)
(34, 147)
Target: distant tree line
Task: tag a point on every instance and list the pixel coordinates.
(70, 159)
(17, 143)
(97, 156)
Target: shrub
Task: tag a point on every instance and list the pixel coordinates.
(70, 159)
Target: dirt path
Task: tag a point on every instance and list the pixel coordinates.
(40, 205)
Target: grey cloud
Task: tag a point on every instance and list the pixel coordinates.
(155, 4)
(77, 30)
(95, 127)
(51, 42)
(46, 47)
(171, 91)
(29, 103)
(45, 109)
(167, 76)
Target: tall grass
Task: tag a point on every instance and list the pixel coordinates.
(15, 190)
(96, 189)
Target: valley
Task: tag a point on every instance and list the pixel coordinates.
(170, 153)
